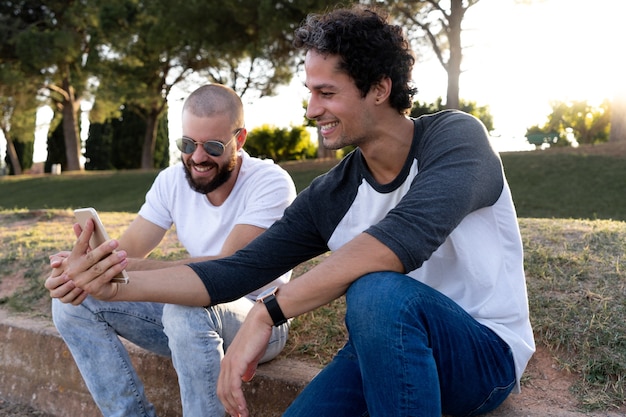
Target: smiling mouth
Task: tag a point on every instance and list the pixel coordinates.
(327, 126)
(202, 168)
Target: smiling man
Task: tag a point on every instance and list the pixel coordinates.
(219, 199)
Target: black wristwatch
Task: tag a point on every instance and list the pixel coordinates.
(268, 297)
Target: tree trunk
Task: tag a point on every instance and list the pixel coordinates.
(618, 118)
(149, 140)
(70, 126)
(12, 153)
(456, 53)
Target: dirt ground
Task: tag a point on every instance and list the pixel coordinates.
(546, 393)
(9, 409)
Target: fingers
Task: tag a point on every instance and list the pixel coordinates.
(97, 260)
(241, 359)
(58, 258)
(250, 372)
(232, 396)
(78, 230)
(85, 270)
(92, 270)
(62, 288)
(83, 235)
(95, 277)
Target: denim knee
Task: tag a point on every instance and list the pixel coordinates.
(182, 322)
(59, 318)
(68, 317)
(379, 299)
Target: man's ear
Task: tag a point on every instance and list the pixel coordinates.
(241, 138)
(382, 90)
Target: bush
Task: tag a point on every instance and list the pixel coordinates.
(280, 144)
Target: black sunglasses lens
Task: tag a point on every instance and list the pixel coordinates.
(213, 148)
(185, 145)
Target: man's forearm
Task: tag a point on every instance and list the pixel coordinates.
(152, 264)
(175, 285)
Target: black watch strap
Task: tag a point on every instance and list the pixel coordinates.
(274, 309)
(268, 297)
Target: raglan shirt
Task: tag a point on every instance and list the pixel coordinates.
(448, 216)
(259, 197)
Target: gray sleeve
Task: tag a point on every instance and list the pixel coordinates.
(458, 173)
(284, 245)
(301, 234)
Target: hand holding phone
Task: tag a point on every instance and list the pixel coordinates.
(98, 236)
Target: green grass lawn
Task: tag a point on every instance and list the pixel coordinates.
(572, 211)
(543, 184)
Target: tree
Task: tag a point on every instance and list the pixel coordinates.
(116, 143)
(471, 107)
(153, 46)
(577, 120)
(437, 22)
(54, 38)
(56, 145)
(98, 147)
(618, 118)
(280, 144)
(18, 89)
(18, 106)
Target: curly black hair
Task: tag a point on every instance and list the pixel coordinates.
(369, 48)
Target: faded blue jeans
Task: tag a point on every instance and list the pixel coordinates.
(411, 352)
(194, 337)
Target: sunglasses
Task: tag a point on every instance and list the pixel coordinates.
(212, 147)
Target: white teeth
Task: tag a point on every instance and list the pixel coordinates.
(328, 126)
(201, 168)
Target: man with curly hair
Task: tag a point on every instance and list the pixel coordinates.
(424, 237)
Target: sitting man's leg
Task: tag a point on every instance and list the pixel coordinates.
(92, 329)
(198, 338)
(411, 352)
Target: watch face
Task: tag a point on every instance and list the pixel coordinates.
(265, 293)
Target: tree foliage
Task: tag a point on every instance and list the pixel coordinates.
(241, 43)
(135, 51)
(56, 146)
(117, 142)
(481, 112)
(18, 107)
(280, 144)
(53, 40)
(18, 91)
(576, 121)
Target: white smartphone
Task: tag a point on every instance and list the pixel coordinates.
(99, 235)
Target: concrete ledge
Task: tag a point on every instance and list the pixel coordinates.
(37, 369)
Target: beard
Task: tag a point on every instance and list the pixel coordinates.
(223, 174)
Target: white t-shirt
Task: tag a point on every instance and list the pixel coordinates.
(261, 193)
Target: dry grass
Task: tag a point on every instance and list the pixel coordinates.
(575, 274)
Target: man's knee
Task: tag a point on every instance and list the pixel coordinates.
(375, 297)
(179, 322)
(68, 317)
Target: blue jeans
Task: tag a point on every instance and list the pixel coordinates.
(194, 337)
(411, 352)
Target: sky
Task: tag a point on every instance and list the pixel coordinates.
(517, 59)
